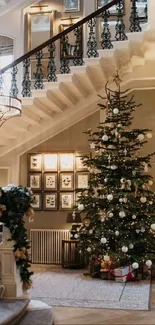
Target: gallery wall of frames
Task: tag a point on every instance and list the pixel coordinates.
(54, 178)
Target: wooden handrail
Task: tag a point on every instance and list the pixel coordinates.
(59, 35)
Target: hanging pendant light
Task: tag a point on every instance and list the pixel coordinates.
(9, 106)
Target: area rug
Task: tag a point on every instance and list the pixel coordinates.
(70, 288)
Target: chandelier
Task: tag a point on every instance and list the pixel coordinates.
(10, 106)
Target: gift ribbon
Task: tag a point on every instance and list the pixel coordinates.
(129, 275)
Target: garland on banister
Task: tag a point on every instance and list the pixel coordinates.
(15, 203)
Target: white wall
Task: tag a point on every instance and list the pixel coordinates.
(4, 176)
(12, 25)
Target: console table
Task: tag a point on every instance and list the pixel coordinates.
(70, 255)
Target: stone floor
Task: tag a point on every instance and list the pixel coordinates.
(83, 316)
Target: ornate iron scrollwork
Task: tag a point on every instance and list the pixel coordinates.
(120, 26)
(26, 84)
(39, 73)
(91, 43)
(146, 12)
(64, 67)
(65, 51)
(106, 34)
(134, 18)
(14, 88)
(51, 68)
(71, 50)
(78, 52)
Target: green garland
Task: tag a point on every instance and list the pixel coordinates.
(15, 203)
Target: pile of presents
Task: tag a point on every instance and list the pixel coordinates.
(106, 270)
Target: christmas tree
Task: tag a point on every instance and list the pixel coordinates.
(119, 206)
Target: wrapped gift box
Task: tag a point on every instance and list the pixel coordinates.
(122, 274)
(104, 274)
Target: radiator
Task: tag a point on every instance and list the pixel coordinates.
(46, 245)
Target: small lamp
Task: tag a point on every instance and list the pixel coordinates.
(75, 219)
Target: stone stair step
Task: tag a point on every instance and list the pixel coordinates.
(38, 313)
(11, 310)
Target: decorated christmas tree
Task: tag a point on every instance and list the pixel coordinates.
(119, 205)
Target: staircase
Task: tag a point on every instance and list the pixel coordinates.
(12, 310)
(49, 106)
(23, 312)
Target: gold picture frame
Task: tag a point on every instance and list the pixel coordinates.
(82, 180)
(37, 204)
(35, 181)
(44, 67)
(50, 162)
(79, 166)
(50, 201)
(71, 5)
(66, 162)
(46, 20)
(35, 162)
(66, 201)
(112, 10)
(69, 49)
(66, 182)
(50, 181)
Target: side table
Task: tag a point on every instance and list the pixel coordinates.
(70, 255)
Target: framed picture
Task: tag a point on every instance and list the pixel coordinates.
(50, 181)
(71, 5)
(66, 201)
(112, 10)
(68, 45)
(34, 181)
(50, 201)
(35, 162)
(44, 67)
(37, 205)
(50, 162)
(66, 181)
(39, 26)
(79, 163)
(141, 9)
(82, 180)
(66, 162)
(77, 196)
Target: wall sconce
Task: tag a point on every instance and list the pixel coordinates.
(40, 8)
(70, 19)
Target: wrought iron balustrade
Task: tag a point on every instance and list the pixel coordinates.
(42, 65)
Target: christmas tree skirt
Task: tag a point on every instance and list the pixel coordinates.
(71, 288)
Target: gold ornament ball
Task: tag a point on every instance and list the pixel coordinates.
(149, 135)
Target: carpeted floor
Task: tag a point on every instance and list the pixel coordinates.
(71, 288)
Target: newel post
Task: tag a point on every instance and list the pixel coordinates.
(10, 276)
